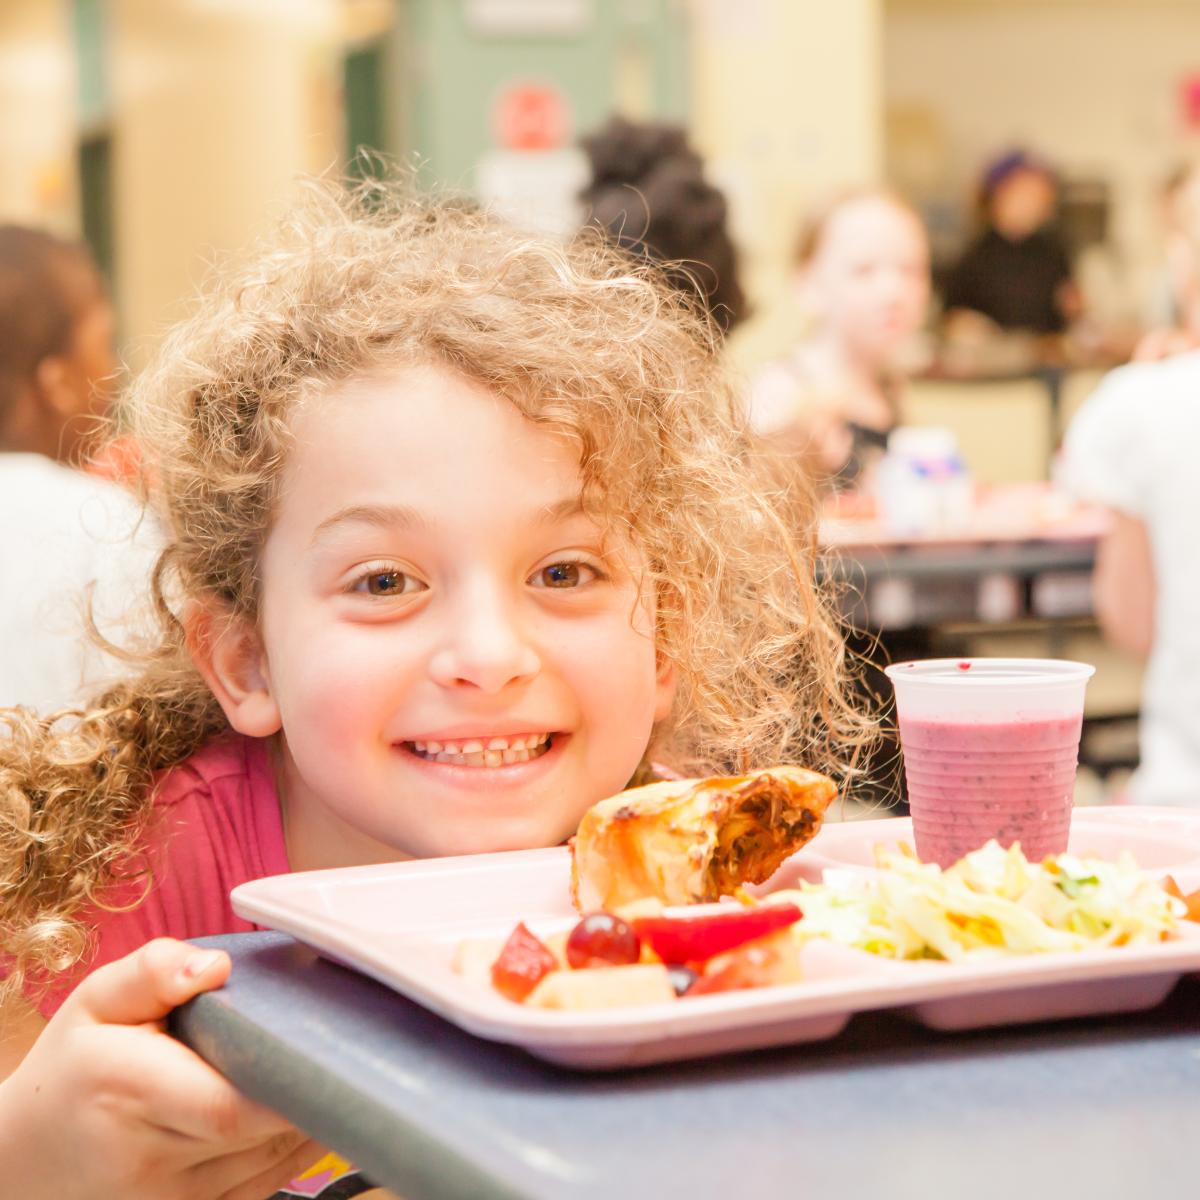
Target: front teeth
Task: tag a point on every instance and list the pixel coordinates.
(496, 752)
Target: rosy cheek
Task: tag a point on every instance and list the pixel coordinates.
(322, 686)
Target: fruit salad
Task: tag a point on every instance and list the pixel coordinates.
(643, 954)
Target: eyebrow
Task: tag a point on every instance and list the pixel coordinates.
(381, 516)
(562, 510)
(401, 516)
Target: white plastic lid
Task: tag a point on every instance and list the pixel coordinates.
(994, 688)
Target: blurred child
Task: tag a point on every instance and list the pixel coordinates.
(1131, 447)
(57, 363)
(863, 275)
(462, 534)
(1173, 318)
(649, 192)
(1016, 274)
(62, 529)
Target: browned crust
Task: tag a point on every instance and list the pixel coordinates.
(646, 841)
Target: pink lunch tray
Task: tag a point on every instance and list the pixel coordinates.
(401, 923)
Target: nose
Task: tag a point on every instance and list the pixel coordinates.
(892, 282)
(894, 299)
(487, 646)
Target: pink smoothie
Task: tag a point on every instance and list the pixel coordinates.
(969, 781)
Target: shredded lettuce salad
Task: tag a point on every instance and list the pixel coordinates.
(991, 903)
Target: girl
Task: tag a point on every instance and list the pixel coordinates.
(461, 534)
(1016, 274)
(862, 271)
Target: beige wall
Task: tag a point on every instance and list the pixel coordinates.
(787, 107)
(217, 108)
(1090, 83)
(37, 115)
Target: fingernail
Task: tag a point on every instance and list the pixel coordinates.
(200, 963)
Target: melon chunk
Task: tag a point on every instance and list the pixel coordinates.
(473, 958)
(603, 987)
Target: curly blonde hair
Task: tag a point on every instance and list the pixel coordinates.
(586, 343)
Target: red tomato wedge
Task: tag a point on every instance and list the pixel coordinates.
(764, 961)
(696, 939)
(522, 963)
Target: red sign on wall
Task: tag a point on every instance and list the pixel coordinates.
(530, 116)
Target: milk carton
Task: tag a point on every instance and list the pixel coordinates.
(923, 486)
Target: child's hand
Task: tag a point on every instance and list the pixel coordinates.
(106, 1104)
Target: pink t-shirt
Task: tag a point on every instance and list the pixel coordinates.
(217, 825)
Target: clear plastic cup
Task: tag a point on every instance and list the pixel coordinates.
(991, 747)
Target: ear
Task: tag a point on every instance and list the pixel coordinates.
(55, 388)
(664, 688)
(229, 654)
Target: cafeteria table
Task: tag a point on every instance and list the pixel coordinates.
(1098, 1108)
(1024, 551)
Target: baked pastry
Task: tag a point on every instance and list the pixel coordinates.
(689, 841)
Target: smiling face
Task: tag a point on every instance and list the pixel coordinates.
(868, 279)
(458, 661)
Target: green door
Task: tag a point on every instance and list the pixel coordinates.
(458, 57)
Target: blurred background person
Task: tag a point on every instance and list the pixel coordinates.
(1162, 308)
(648, 190)
(63, 532)
(1132, 447)
(1016, 273)
(57, 361)
(1173, 309)
(862, 277)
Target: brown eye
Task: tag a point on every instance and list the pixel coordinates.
(386, 583)
(561, 575)
(567, 573)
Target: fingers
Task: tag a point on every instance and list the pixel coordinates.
(258, 1173)
(145, 985)
(156, 1101)
(171, 1087)
(178, 1091)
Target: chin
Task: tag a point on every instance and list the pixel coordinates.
(486, 837)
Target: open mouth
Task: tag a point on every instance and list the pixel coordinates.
(480, 752)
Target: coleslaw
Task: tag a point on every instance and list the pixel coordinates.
(993, 902)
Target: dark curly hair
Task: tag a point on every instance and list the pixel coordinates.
(649, 193)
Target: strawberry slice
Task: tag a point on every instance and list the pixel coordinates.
(697, 939)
